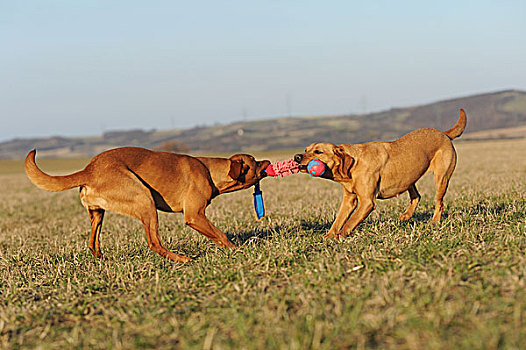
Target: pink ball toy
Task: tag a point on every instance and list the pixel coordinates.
(316, 167)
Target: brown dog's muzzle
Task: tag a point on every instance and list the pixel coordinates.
(262, 167)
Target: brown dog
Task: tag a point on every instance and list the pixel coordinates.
(138, 182)
(384, 170)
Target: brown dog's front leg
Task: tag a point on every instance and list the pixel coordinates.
(151, 227)
(365, 207)
(347, 206)
(199, 222)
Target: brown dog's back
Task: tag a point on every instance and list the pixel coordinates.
(399, 164)
(412, 156)
(159, 170)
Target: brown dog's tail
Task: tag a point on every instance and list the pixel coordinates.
(48, 182)
(459, 127)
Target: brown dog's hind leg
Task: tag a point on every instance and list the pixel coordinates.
(96, 216)
(415, 198)
(441, 183)
(443, 169)
(134, 199)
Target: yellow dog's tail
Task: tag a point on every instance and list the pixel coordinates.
(459, 127)
(52, 183)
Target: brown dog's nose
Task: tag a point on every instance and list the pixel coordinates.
(298, 158)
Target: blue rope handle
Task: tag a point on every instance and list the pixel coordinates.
(259, 205)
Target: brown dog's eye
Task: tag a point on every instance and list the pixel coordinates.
(318, 152)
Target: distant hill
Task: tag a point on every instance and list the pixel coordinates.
(504, 110)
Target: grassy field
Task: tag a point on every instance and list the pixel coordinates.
(461, 284)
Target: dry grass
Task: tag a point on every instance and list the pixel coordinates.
(391, 285)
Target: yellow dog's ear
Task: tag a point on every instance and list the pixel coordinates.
(346, 162)
(238, 170)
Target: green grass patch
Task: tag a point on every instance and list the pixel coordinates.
(460, 284)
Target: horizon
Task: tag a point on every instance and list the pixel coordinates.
(171, 66)
(260, 119)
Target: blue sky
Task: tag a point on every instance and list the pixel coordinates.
(84, 67)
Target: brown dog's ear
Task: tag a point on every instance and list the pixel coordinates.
(238, 170)
(346, 162)
(236, 167)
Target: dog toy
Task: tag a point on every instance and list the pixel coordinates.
(259, 205)
(316, 167)
(283, 168)
(280, 168)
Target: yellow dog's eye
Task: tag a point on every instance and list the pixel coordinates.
(318, 152)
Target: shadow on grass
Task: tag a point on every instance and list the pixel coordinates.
(484, 207)
(418, 216)
(321, 228)
(477, 209)
(266, 234)
(240, 238)
(315, 227)
(318, 227)
(424, 216)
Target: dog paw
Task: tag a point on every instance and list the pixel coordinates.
(331, 235)
(404, 217)
(96, 253)
(179, 258)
